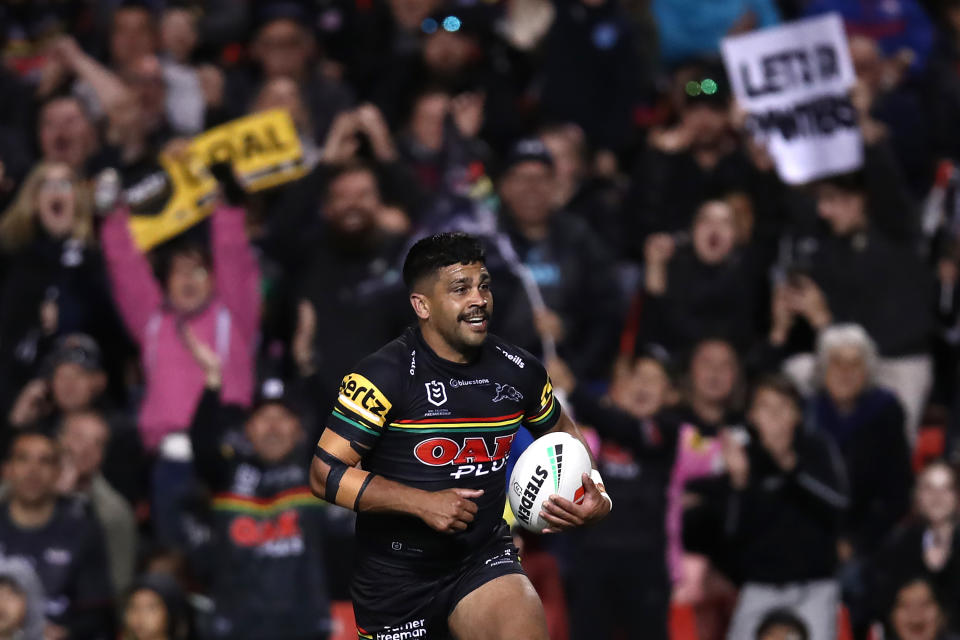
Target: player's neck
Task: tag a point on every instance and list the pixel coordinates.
(443, 349)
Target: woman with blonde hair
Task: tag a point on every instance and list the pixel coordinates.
(53, 281)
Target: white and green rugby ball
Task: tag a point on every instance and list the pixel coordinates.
(551, 465)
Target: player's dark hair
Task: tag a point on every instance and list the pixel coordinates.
(439, 251)
(783, 618)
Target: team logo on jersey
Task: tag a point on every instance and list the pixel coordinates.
(506, 392)
(436, 393)
(362, 397)
(472, 456)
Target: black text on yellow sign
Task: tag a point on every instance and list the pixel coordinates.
(264, 151)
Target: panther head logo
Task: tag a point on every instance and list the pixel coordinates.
(506, 392)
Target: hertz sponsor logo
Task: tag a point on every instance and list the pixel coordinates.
(362, 397)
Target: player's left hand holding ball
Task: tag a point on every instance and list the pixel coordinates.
(563, 514)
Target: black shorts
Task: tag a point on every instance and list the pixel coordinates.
(394, 601)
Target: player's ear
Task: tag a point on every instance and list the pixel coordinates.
(420, 304)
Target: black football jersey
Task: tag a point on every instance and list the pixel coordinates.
(434, 424)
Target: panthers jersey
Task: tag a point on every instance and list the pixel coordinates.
(433, 424)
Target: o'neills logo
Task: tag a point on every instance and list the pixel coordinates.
(530, 492)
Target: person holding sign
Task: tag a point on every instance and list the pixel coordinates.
(214, 293)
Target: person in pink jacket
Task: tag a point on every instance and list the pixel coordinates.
(212, 293)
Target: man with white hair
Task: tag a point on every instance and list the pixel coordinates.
(866, 421)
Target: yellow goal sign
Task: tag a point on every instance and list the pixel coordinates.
(263, 150)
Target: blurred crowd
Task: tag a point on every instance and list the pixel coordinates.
(768, 373)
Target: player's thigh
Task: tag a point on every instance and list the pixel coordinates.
(506, 608)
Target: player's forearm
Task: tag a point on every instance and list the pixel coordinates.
(353, 488)
(387, 496)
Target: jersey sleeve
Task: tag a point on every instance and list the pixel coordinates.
(364, 402)
(542, 411)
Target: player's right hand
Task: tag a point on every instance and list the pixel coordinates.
(450, 510)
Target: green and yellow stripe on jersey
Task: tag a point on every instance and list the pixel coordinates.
(547, 409)
(434, 425)
(265, 507)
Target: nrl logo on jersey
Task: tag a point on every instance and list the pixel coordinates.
(506, 392)
(436, 393)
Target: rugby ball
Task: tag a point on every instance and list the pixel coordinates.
(551, 465)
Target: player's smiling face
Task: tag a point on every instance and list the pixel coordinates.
(460, 305)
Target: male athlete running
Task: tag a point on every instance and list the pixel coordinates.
(430, 419)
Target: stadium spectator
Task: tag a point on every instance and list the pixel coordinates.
(710, 402)
(866, 422)
(693, 28)
(782, 624)
(54, 280)
(916, 615)
(592, 72)
(788, 491)
(284, 46)
(21, 601)
(565, 261)
(66, 134)
(834, 286)
(83, 441)
(926, 546)
(901, 28)
(214, 292)
(618, 573)
(156, 609)
(268, 527)
(580, 189)
(60, 539)
(354, 249)
(704, 287)
(74, 381)
(698, 158)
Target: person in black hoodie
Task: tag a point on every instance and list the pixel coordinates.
(567, 262)
(355, 268)
(55, 282)
(702, 287)
(268, 575)
(788, 490)
(926, 546)
(619, 567)
(867, 245)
